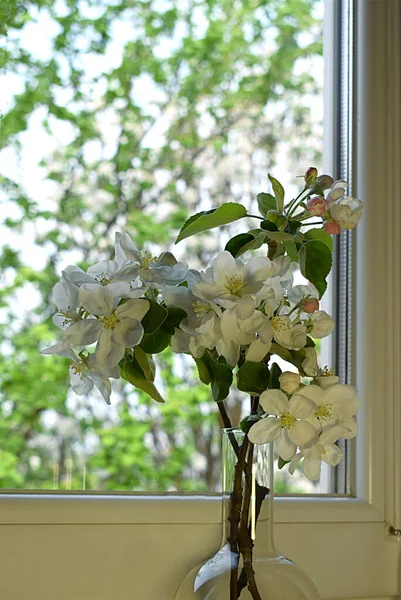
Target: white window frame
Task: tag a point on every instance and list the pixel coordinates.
(94, 546)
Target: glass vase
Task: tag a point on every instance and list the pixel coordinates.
(247, 565)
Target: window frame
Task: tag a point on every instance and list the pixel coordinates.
(356, 530)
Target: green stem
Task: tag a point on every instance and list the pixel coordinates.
(256, 217)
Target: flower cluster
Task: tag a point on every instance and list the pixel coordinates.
(232, 318)
(312, 417)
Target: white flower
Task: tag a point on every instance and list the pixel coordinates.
(271, 294)
(290, 382)
(85, 372)
(288, 335)
(115, 329)
(322, 323)
(337, 191)
(66, 298)
(154, 271)
(310, 364)
(288, 427)
(334, 406)
(105, 273)
(347, 212)
(325, 450)
(326, 381)
(232, 279)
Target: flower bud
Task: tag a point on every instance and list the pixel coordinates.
(310, 305)
(290, 382)
(316, 206)
(324, 182)
(331, 227)
(310, 176)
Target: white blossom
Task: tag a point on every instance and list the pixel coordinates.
(232, 279)
(115, 329)
(310, 364)
(336, 405)
(288, 335)
(288, 427)
(347, 212)
(325, 450)
(322, 324)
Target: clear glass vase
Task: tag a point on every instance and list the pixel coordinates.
(246, 566)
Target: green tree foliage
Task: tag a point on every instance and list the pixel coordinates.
(147, 110)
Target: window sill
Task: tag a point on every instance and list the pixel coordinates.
(58, 509)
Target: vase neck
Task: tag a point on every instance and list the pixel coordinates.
(247, 497)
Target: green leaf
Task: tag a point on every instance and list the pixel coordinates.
(293, 226)
(266, 202)
(174, 318)
(253, 377)
(291, 250)
(203, 370)
(237, 242)
(281, 352)
(155, 316)
(315, 264)
(319, 235)
(309, 343)
(248, 421)
(221, 377)
(132, 372)
(269, 225)
(224, 214)
(146, 363)
(278, 193)
(159, 339)
(245, 241)
(275, 373)
(281, 462)
(279, 236)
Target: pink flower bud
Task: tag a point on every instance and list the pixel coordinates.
(310, 305)
(310, 176)
(316, 206)
(331, 227)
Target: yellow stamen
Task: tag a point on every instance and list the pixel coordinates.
(287, 420)
(110, 322)
(323, 412)
(102, 279)
(79, 368)
(147, 258)
(326, 372)
(201, 308)
(235, 285)
(278, 323)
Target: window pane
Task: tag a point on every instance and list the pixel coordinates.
(131, 116)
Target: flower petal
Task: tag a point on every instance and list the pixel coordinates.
(128, 333)
(274, 402)
(80, 382)
(245, 308)
(257, 351)
(303, 434)
(61, 350)
(311, 468)
(105, 268)
(264, 431)
(103, 385)
(301, 407)
(294, 462)
(313, 392)
(83, 333)
(133, 309)
(108, 352)
(332, 434)
(96, 299)
(224, 265)
(285, 446)
(118, 289)
(332, 455)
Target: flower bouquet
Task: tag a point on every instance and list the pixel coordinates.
(234, 319)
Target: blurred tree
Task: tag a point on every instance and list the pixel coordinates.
(131, 112)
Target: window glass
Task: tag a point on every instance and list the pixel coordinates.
(131, 116)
